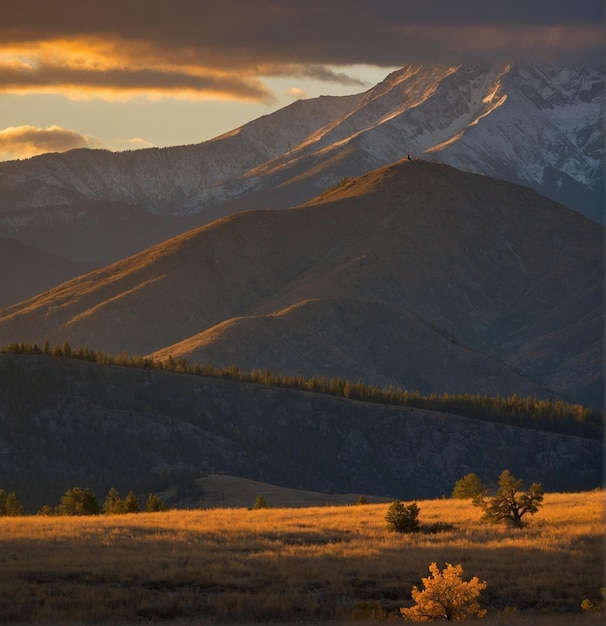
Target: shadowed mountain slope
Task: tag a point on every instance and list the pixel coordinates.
(359, 340)
(50, 238)
(65, 422)
(416, 267)
(26, 271)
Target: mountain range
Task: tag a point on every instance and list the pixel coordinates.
(440, 232)
(416, 274)
(538, 125)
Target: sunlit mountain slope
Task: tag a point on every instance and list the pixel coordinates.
(416, 273)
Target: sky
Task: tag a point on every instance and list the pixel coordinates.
(129, 74)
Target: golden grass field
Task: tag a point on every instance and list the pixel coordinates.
(336, 563)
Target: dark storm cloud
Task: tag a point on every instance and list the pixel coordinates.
(223, 46)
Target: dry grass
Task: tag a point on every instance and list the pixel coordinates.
(311, 564)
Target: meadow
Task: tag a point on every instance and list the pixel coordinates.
(316, 564)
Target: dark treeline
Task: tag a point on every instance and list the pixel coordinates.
(528, 412)
(78, 501)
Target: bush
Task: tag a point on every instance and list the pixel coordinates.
(403, 518)
(436, 527)
(445, 596)
(47, 510)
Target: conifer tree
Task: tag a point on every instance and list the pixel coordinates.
(113, 504)
(131, 503)
(9, 504)
(260, 503)
(78, 501)
(403, 518)
(13, 506)
(470, 486)
(154, 504)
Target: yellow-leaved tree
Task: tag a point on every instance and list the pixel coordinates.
(445, 596)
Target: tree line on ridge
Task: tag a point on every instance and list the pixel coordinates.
(555, 416)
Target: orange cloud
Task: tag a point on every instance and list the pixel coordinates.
(26, 141)
(100, 68)
(96, 68)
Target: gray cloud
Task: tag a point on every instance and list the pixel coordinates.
(224, 47)
(288, 26)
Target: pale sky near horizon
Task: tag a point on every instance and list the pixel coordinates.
(127, 74)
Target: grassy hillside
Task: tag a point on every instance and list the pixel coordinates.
(324, 563)
(216, 491)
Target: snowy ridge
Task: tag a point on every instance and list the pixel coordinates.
(538, 125)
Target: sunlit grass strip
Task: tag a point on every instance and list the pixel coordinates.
(292, 564)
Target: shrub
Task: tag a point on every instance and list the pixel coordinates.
(436, 527)
(47, 510)
(445, 596)
(403, 518)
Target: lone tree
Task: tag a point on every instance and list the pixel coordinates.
(511, 503)
(469, 487)
(445, 596)
(260, 503)
(403, 518)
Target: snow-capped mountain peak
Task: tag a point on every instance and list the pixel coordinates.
(539, 125)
